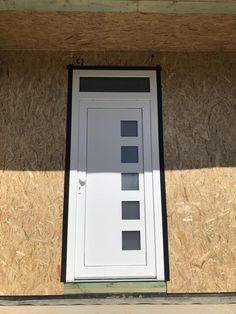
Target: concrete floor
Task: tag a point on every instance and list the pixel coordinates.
(122, 309)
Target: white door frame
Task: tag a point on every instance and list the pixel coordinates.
(77, 97)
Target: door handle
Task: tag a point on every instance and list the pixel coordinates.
(82, 181)
(82, 178)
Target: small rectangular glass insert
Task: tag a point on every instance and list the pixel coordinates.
(129, 128)
(115, 84)
(130, 210)
(131, 240)
(129, 154)
(130, 181)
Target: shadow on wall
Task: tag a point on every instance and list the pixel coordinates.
(199, 109)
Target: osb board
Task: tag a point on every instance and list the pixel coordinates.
(202, 229)
(117, 31)
(30, 232)
(32, 115)
(200, 157)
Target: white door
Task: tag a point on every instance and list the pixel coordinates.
(115, 224)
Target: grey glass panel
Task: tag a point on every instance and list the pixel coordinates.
(129, 154)
(115, 84)
(129, 181)
(131, 240)
(130, 210)
(129, 128)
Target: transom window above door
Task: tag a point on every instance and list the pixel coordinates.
(115, 229)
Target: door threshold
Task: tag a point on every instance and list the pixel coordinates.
(115, 280)
(115, 287)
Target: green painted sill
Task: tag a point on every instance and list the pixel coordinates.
(114, 287)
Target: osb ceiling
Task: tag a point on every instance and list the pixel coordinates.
(117, 31)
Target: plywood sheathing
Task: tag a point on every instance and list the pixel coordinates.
(117, 31)
(200, 156)
(32, 115)
(199, 113)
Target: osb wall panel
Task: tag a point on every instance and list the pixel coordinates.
(117, 31)
(200, 158)
(33, 115)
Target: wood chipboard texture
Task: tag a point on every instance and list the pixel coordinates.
(117, 31)
(33, 115)
(199, 114)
